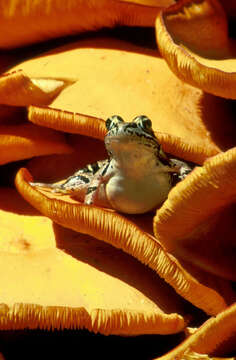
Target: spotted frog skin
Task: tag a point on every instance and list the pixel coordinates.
(137, 176)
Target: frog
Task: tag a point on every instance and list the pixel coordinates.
(136, 177)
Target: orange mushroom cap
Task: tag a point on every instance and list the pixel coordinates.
(24, 141)
(193, 39)
(43, 18)
(122, 233)
(191, 117)
(58, 279)
(197, 221)
(17, 89)
(208, 339)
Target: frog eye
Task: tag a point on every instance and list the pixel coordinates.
(112, 121)
(143, 122)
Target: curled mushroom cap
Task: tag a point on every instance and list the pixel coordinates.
(26, 140)
(54, 278)
(192, 117)
(122, 233)
(214, 338)
(17, 89)
(192, 37)
(197, 221)
(43, 18)
(67, 121)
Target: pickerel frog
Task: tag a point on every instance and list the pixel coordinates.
(136, 177)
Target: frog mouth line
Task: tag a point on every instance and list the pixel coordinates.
(138, 139)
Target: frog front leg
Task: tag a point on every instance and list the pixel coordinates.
(96, 191)
(183, 169)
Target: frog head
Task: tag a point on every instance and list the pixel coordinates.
(135, 136)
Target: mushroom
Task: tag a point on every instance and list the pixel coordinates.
(193, 39)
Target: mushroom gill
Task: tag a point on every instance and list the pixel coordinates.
(192, 36)
(197, 221)
(97, 68)
(55, 278)
(124, 234)
(67, 121)
(214, 338)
